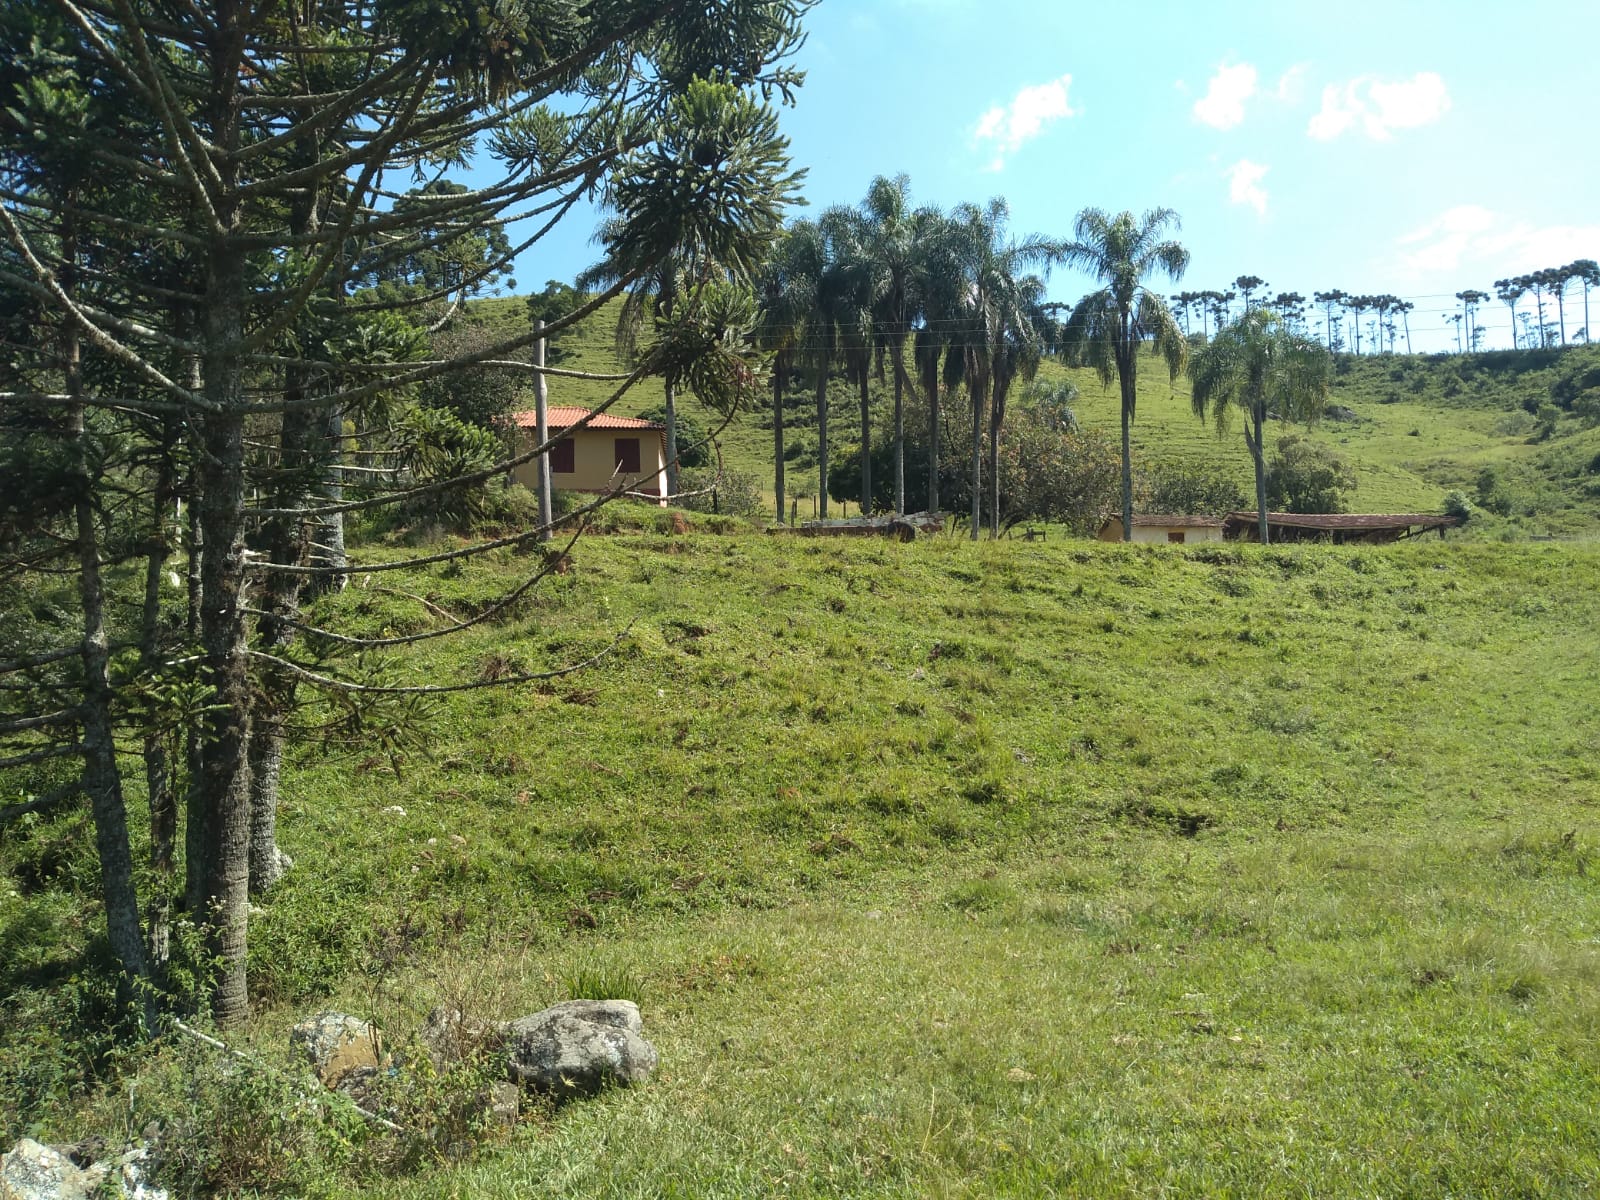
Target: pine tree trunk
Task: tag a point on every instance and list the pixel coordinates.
(672, 437)
(777, 436)
(267, 862)
(194, 823)
(933, 446)
(223, 780)
(163, 803)
(330, 551)
(102, 778)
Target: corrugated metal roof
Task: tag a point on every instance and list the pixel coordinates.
(564, 416)
(1348, 520)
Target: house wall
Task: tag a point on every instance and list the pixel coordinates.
(1111, 531)
(594, 461)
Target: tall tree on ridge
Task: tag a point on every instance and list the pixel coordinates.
(1329, 301)
(1587, 272)
(1108, 327)
(1508, 292)
(1470, 299)
(1257, 366)
(1248, 285)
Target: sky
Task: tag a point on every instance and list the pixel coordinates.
(1413, 147)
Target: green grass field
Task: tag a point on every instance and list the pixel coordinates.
(986, 870)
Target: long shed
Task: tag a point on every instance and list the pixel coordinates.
(1336, 527)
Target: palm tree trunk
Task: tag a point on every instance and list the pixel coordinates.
(866, 444)
(996, 419)
(977, 455)
(1253, 441)
(822, 440)
(1127, 375)
(933, 446)
(777, 434)
(899, 428)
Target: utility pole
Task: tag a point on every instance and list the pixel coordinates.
(541, 432)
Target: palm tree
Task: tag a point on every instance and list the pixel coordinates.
(851, 299)
(937, 345)
(1107, 327)
(790, 286)
(1002, 314)
(1018, 346)
(808, 255)
(890, 241)
(1256, 364)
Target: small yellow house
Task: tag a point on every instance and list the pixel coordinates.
(607, 453)
(1164, 527)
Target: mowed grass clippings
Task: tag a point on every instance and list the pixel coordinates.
(1007, 869)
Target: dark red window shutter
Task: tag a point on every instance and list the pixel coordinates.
(627, 455)
(563, 457)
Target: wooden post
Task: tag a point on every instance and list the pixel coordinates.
(541, 432)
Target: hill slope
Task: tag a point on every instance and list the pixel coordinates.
(1422, 427)
(952, 869)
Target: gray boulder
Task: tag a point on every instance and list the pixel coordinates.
(577, 1048)
(37, 1172)
(336, 1045)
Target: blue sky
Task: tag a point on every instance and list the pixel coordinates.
(1411, 147)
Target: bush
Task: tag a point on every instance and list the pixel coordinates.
(1306, 477)
(732, 493)
(1192, 490)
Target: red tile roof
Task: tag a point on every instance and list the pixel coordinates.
(564, 416)
(1175, 520)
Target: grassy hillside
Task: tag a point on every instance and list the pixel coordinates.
(952, 870)
(1423, 426)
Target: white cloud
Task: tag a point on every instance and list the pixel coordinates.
(1222, 107)
(1291, 84)
(1244, 185)
(1380, 108)
(1005, 128)
(1471, 236)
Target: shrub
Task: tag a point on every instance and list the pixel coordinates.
(1305, 477)
(1186, 488)
(730, 493)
